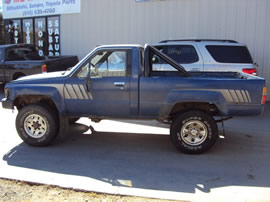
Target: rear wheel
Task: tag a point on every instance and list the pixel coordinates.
(37, 125)
(194, 132)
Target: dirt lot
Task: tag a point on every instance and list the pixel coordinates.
(20, 191)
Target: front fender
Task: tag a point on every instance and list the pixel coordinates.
(54, 92)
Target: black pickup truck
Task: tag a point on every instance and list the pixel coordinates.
(18, 60)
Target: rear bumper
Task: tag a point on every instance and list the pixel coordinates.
(7, 104)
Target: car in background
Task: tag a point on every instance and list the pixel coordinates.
(206, 55)
(18, 60)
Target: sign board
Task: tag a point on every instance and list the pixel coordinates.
(35, 8)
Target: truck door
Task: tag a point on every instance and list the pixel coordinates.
(101, 86)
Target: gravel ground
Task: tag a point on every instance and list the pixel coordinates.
(20, 191)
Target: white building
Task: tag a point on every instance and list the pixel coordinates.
(84, 24)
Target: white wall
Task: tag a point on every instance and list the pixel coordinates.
(128, 21)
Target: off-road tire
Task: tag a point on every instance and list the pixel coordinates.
(46, 121)
(187, 129)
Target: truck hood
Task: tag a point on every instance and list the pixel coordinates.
(43, 76)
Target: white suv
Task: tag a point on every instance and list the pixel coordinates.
(206, 55)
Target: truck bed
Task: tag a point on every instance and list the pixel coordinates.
(222, 75)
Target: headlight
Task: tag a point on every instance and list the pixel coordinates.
(6, 92)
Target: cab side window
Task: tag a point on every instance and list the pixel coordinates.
(108, 64)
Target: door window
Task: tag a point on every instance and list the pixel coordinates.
(106, 64)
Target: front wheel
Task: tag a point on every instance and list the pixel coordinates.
(194, 132)
(37, 125)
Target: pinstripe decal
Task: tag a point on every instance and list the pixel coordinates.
(247, 93)
(66, 93)
(83, 92)
(71, 92)
(227, 95)
(244, 96)
(234, 96)
(78, 91)
(239, 95)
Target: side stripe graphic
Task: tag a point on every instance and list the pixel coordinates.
(248, 96)
(234, 96)
(66, 93)
(227, 95)
(244, 96)
(239, 95)
(83, 92)
(76, 91)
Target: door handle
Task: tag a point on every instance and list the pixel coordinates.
(119, 84)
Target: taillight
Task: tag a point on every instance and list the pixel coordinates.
(264, 95)
(252, 71)
(44, 68)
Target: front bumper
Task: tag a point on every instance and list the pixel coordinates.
(7, 104)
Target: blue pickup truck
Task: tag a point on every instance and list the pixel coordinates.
(118, 81)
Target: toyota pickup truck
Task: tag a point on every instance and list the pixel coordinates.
(18, 60)
(118, 81)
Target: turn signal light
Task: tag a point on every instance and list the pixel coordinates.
(252, 71)
(44, 68)
(264, 95)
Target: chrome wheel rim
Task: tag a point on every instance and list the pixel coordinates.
(35, 126)
(194, 132)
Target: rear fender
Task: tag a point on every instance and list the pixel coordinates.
(191, 96)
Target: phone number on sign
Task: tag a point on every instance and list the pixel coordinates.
(39, 12)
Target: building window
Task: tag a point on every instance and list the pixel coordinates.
(53, 36)
(43, 32)
(13, 31)
(28, 37)
(41, 36)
